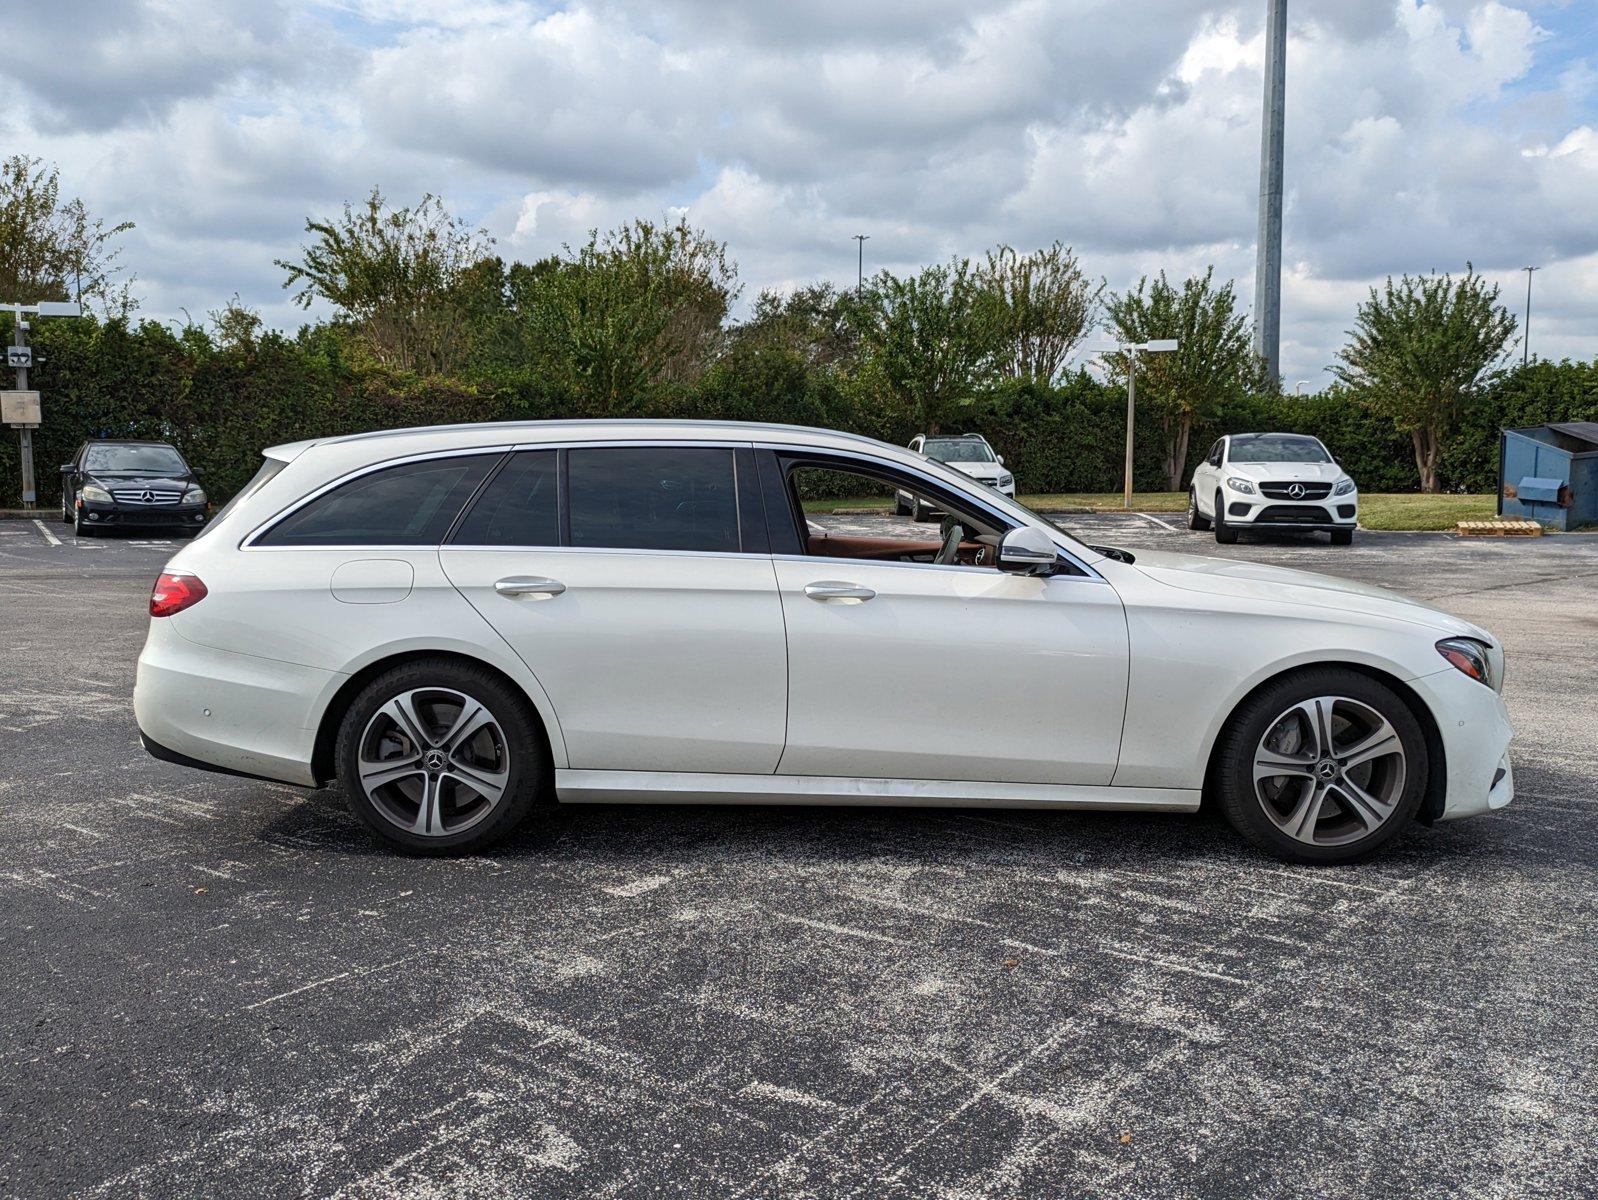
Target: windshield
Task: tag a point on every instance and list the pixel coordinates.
(1276, 448)
(152, 460)
(957, 450)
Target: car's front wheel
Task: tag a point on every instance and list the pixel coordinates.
(441, 757)
(1342, 537)
(80, 527)
(1225, 534)
(1195, 519)
(1323, 766)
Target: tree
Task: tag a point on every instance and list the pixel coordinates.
(632, 310)
(931, 337)
(1420, 349)
(1214, 363)
(1047, 307)
(52, 249)
(394, 274)
(816, 322)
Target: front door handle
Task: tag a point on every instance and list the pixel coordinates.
(535, 586)
(841, 593)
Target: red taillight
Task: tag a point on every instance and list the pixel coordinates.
(174, 591)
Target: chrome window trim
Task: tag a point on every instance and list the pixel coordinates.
(248, 542)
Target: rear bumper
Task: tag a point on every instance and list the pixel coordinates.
(1474, 727)
(225, 711)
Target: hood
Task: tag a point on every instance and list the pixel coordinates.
(122, 480)
(1227, 577)
(979, 470)
(1285, 472)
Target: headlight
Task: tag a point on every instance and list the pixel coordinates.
(1241, 485)
(97, 494)
(1468, 656)
(195, 496)
(1344, 486)
(1006, 480)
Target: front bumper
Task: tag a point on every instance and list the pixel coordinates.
(1263, 512)
(132, 516)
(1474, 727)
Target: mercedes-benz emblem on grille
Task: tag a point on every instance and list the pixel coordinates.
(148, 497)
(1296, 491)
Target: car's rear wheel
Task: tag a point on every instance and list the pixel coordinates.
(1324, 766)
(440, 757)
(1195, 519)
(1224, 533)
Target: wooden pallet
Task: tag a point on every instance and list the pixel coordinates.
(1500, 528)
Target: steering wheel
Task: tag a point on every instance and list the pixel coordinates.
(953, 534)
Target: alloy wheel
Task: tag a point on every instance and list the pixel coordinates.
(1330, 771)
(434, 761)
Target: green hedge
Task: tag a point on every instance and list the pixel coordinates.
(222, 405)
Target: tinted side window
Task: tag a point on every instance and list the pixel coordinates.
(409, 505)
(653, 498)
(519, 507)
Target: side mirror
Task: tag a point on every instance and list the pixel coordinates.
(1000, 457)
(66, 468)
(196, 471)
(1028, 551)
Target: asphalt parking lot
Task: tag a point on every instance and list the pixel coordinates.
(213, 986)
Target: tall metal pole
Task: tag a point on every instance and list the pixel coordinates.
(1268, 257)
(1525, 341)
(30, 494)
(860, 266)
(1131, 408)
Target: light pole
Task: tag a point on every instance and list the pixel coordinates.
(1162, 346)
(1268, 254)
(860, 265)
(1525, 341)
(21, 407)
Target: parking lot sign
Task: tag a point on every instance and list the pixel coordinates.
(19, 356)
(19, 408)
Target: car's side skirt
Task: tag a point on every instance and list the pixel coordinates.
(682, 787)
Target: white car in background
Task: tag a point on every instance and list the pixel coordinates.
(968, 453)
(1272, 481)
(462, 624)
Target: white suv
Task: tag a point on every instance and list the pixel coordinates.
(1272, 481)
(461, 624)
(968, 453)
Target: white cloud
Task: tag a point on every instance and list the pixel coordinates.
(1422, 134)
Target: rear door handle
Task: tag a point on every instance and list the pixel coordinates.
(838, 592)
(529, 585)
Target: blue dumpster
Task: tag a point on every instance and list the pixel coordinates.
(1549, 473)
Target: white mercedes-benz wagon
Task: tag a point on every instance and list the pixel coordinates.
(462, 624)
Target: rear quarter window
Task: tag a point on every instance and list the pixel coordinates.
(413, 504)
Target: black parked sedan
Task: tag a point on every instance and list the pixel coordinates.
(143, 485)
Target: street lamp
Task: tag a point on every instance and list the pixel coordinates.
(1160, 346)
(860, 265)
(21, 407)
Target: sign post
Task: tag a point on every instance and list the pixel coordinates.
(21, 407)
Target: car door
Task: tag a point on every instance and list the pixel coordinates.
(635, 583)
(909, 670)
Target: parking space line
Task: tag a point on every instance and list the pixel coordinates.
(48, 536)
(1157, 521)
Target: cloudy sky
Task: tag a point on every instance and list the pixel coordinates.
(1421, 134)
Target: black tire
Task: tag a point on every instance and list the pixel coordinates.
(1234, 770)
(1195, 519)
(528, 780)
(919, 512)
(1342, 537)
(1224, 533)
(900, 508)
(66, 509)
(80, 527)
